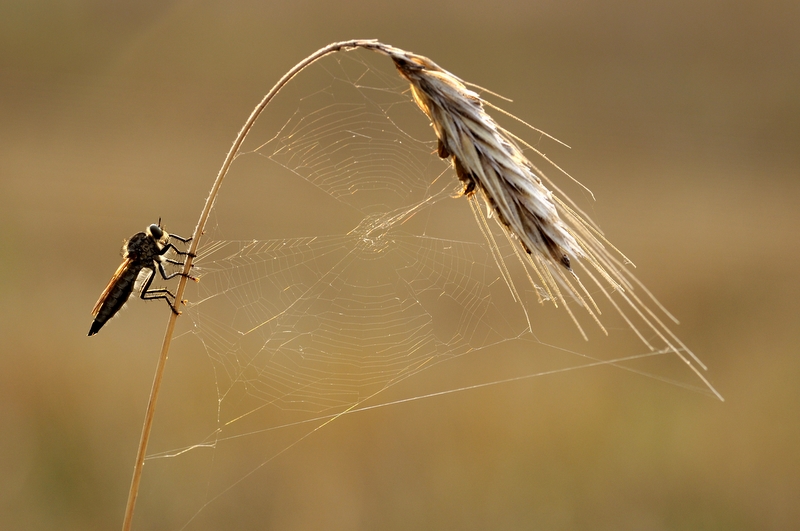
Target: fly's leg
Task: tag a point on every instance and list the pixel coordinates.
(161, 293)
(184, 240)
(177, 263)
(173, 275)
(177, 251)
(169, 246)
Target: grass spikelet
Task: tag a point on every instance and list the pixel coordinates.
(556, 238)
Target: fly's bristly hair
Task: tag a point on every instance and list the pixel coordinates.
(552, 236)
(142, 254)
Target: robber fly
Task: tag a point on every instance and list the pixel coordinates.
(145, 250)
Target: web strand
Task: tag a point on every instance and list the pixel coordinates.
(395, 276)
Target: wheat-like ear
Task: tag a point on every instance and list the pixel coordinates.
(488, 161)
(556, 238)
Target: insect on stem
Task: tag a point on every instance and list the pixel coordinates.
(143, 252)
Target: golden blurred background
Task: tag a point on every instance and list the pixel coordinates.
(684, 120)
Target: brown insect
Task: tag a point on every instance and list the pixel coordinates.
(144, 250)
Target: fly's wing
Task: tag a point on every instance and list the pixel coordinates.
(120, 270)
(141, 278)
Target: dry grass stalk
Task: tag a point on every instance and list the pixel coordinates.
(487, 160)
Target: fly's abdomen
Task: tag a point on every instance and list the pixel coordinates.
(116, 297)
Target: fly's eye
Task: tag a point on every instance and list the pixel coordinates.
(155, 231)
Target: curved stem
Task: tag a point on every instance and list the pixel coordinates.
(198, 232)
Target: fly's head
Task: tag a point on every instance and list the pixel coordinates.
(158, 234)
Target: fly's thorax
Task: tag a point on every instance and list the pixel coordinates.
(142, 247)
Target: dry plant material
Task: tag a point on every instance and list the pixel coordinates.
(550, 230)
(553, 237)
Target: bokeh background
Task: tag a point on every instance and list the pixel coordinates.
(684, 119)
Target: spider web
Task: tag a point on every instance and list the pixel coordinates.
(339, 262)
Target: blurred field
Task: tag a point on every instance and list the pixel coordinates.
(684, 120)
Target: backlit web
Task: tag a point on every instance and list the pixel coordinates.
(338, 262)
